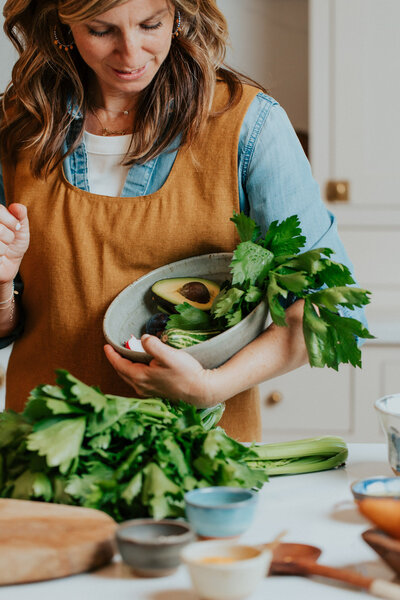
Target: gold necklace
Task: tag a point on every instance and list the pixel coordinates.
(106, 131)
(111, 110)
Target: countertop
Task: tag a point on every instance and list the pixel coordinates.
(315, 508)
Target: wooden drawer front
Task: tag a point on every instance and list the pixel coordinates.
(307, 401)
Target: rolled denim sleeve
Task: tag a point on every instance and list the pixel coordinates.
(276, 181)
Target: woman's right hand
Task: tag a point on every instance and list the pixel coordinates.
(14, 239)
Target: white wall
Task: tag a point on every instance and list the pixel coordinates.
(7, 52)
(269, 42)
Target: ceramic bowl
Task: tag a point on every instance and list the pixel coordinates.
(376, 487)
(388, 409)
(220, 512)
(131, 309)
(152, 548)
(225, 571)
(386, 546)
(378, 500)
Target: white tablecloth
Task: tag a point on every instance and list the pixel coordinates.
(315, 509)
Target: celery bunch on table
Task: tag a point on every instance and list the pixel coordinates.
(131, 457)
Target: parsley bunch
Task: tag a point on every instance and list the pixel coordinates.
(272, 267)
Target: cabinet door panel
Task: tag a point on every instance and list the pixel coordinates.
(307, 401)
(380, 376)
(375, 257)
(355, 49)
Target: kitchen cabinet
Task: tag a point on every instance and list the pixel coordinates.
(310, 402)
(354, 127)
(307, 402)
(330, 63)
(354, 117)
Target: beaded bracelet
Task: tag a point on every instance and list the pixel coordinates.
(10, 303)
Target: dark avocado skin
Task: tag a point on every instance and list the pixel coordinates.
(167, 295)
(168, 306)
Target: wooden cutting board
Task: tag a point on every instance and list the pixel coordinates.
(44, 541)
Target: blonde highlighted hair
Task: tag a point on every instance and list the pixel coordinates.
(46, 82)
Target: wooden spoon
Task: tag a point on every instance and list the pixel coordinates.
(300, 559)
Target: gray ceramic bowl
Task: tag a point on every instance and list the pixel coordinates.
(130, 310)
(152, 548)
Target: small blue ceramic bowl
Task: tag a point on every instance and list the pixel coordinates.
(376, 487)
(220, 512)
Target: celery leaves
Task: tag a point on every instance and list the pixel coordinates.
(135, 458)
(272, 267)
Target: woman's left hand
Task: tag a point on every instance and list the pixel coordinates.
(172, 374)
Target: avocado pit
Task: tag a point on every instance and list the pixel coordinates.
(195, 291)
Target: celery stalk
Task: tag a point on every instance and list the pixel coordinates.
(211, 416)
(299, 456)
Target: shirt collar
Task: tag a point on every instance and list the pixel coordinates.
(73, 110)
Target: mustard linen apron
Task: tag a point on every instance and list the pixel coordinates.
(85, 248)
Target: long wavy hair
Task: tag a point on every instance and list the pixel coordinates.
(35, 111)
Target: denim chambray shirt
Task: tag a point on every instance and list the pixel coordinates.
(275, 180)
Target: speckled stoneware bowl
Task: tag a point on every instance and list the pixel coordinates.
(152, 548)
(220, 512)
(131, 309)
(376, 487)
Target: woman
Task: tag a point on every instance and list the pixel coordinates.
(129, 146)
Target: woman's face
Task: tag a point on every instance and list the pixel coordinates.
(126, 45)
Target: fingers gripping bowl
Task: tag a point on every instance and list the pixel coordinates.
(131, 309)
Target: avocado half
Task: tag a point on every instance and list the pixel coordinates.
(196, 291)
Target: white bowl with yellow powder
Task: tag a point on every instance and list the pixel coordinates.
(225, 570)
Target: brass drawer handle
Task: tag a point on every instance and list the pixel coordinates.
(337, 191)
(275, 397)
(2, 376)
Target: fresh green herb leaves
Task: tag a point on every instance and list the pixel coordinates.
(127, 456)
(132, 457)
(250, 264)
(247, 229)
(189, 317)
(272, 267)
(284, 238)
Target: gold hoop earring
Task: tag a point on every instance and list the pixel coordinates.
(60, 45)
(178, 24)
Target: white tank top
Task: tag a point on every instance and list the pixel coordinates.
(106, 174)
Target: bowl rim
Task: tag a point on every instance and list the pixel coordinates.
(381, 478)
(187, 534)
(263, 554)
(380, 401)
(227, 505)
(209, 342)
